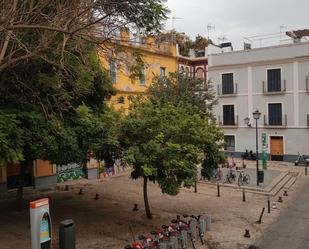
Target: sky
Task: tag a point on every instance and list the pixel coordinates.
(236, 19)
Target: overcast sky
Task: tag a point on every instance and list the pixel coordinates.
(236, 19)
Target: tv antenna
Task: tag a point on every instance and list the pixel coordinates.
(209, 28)
(173, 20)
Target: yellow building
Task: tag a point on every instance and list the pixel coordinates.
(155, 55)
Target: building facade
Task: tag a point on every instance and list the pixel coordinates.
(273, 80)
(156, 55)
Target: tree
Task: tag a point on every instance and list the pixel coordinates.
(56, 116)
(180, 87)
(37, 28)
(185, 43)
(162, 142)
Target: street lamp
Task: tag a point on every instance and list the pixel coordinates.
(247, 121)
(256, 116)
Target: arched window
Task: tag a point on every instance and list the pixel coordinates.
(199, 73)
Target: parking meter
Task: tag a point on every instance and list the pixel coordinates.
(41, 226)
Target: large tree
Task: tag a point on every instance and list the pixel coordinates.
(36, 28)
(53, 86)
(163, 142)
(168, 133)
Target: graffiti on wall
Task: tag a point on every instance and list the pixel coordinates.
(71, 171)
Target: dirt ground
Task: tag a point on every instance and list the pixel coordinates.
(105, 223)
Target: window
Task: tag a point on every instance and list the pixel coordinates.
(227, 83)
(228, 115)
(112, 71)
(229, 143)
(275, 114)
(142, 77)
(274, 80)
(200, 73)
(162, 71)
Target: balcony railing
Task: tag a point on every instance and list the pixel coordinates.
(230, 122)
(267, 89)
(226, 92)
(281, 122)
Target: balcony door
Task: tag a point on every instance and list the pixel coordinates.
(274, 80)
(228, 115)
(275, 114)
(227, 83)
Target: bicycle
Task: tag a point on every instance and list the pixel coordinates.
(218, 175)
(201, 226)
(189, 229)
(231, 177)
(243, 179)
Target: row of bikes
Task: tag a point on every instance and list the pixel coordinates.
(180, 234)
(231, 177)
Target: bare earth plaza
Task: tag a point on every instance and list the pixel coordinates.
(154, 124)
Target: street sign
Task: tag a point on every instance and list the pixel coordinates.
(264, 150)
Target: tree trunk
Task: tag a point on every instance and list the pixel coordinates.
(147, 208)
(21, 183)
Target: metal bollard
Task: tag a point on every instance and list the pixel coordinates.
(243, 195)
(268, 205)
(218, 189)
(67, 234)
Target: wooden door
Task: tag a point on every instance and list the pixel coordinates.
(276, 148)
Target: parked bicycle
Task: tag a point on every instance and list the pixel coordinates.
(243, 179)
(218, 175)
(231, 176)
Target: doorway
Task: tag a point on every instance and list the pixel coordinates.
(276, 148)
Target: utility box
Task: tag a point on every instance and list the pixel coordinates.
(67, 234)
(41, 225)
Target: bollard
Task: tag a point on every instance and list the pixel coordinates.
(96, 197)
(135, 208)
(306, 171)
(243, 195)
(66, 188)
(268, 205)
(67, 234)
(285, 193)
(280, 199)
(247, 233)
(80, 192)
(218, 189)
(261, 216)
(195, 187)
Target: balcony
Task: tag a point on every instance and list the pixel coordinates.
(231, 122)
(227, 92)
(280, 122)
(274, 89)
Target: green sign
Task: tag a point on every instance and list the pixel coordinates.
(264, 150)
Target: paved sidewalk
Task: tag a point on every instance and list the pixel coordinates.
(291, 230)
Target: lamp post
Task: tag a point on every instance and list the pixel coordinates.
(256, 116)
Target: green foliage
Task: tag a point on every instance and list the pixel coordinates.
(60, 114)
(180, 87)
(200, 43)
(10, 139)
(163, 142)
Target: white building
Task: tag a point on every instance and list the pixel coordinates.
(274, 80)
